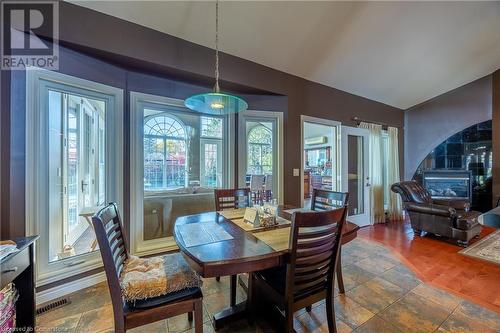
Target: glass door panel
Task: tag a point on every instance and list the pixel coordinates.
(76, 171)
(355, 174)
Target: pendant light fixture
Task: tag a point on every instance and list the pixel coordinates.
(216, 102)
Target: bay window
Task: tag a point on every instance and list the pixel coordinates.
(178, 157)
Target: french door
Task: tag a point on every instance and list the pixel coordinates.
(74, 161)
(355, 173)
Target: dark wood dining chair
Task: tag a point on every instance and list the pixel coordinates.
(309, 276)
(112, 244)
(326, 200)
(231, 198)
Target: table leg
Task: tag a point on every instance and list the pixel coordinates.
(250, 299)
(233, 290)
(340, 280)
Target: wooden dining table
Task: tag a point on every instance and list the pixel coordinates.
(244, 250)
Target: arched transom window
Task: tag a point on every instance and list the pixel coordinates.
(260, 151)
(164, 153)
(164, 126)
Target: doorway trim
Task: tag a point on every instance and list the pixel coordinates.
(321, 121)
(278, 117)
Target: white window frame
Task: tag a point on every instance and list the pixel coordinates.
(138, 245)
(36, 172)
(278, 147)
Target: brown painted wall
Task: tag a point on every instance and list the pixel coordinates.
(430, 123)
(496, 136)
(137, 49)
(146, 48)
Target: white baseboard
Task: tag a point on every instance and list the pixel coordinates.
(68, 288)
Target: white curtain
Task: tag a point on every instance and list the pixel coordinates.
(376, 177)
(394, 209)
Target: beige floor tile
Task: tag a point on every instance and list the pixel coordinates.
(96, 320)
(85, 300)
(181, 323)
(211, 286)
(459, 323)
(156, 327)
(375, 264)
(402, 277)
(376, 294)
(446, 300)
(315, 322)
(377, 325)
(354, 275)
(414, 313)
(351, 312)
(476, 312)
(65, 324)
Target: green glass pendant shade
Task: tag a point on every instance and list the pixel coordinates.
(216, 103)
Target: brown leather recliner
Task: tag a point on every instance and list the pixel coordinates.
(448, 218)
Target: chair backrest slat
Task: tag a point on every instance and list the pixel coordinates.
(328, 200)
(315, 240)
(231, 198)
(113, 247)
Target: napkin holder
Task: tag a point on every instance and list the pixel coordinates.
(252, 216)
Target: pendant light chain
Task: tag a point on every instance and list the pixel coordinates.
(216, 88)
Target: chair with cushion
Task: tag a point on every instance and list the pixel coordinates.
(447, 218)
(144, 290)
(309, 276)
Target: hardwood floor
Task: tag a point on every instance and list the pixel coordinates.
(437, 262)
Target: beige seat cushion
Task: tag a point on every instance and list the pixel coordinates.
(152, 277)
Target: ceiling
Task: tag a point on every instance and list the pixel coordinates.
(398, 53)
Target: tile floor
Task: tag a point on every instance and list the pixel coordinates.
(382, 295)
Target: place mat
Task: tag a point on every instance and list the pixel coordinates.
(277, 239)
(195, 234)
(240, 222)
(233, 213)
